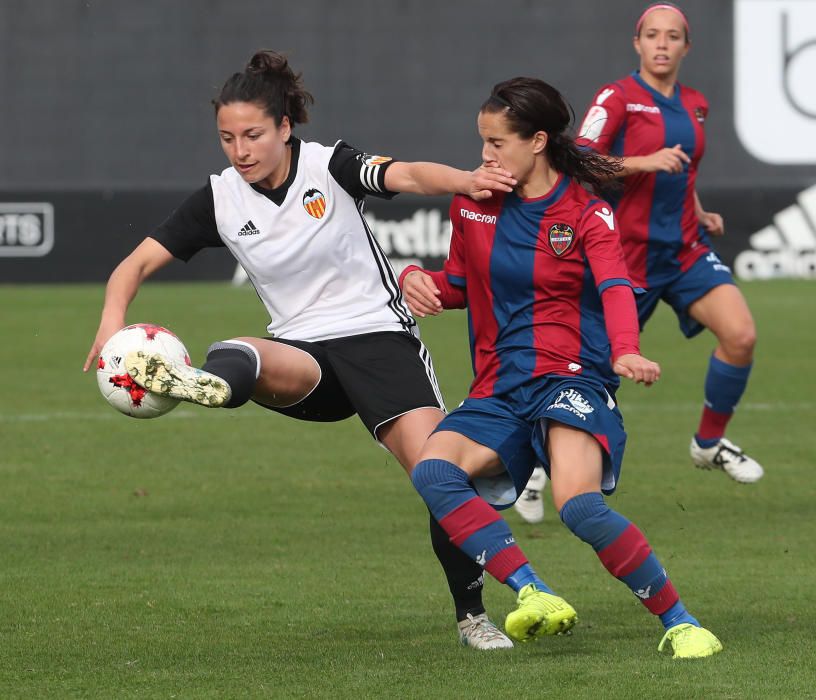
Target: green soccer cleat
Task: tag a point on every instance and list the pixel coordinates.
(539, 614)
(690, 642)
(161, 375)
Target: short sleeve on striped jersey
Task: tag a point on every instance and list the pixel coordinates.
(359, 173)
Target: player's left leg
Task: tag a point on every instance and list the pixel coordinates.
(724, 311)
(576, 470)
(391, 382)
(404, 438)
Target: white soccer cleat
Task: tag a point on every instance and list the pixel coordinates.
(478, 632)
(530, 505)
(728, 457)
(162, 375)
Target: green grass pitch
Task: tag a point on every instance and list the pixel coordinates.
(225, 554)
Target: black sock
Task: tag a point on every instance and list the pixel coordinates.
(465, 576)
(237, 365)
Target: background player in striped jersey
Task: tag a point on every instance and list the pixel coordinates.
(654, 125)
(553, 324)
(342, 341)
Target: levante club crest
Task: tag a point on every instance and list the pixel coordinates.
(561, 237)
(314, 203)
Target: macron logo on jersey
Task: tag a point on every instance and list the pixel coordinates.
(475, 216)
(635, 107)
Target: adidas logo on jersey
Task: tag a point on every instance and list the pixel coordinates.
(786, 248)
(248, 229)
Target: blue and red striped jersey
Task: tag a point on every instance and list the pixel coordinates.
(660, 231)
(533, 271)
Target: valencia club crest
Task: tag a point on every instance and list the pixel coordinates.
(561, 237)
(314, 203)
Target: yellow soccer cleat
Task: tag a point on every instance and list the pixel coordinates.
(690, 642)
(539, 614)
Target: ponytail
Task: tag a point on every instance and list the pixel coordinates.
(583, 164)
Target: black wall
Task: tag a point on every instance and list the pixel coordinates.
(106, 111)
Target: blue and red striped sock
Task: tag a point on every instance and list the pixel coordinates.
(626, 554)
(724, 387)
(472, 524)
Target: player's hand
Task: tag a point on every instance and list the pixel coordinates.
(669, 160)
(711, 222)
(489, 178)
(421, 294)
(637, 368)
(106, 330)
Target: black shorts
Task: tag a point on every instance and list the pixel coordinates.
(378, 376)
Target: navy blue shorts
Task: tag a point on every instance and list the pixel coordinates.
(683, 290)
(515, 427)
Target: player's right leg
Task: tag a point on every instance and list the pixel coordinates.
(444, 478)
(705, 296)
(405, 437)
(234, 372)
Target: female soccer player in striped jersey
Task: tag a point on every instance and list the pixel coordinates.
(553, 325)
(341, 340)
(655, 126)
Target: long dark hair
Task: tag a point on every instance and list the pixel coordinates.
(531, 105)
(269, 82)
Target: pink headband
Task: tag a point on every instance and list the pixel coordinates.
(662, 7)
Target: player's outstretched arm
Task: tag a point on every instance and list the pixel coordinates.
(637, 368)
(421, 294)
(428, 292)
(437, 179)
(123, 284)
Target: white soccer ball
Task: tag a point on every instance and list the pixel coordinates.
(117, 386)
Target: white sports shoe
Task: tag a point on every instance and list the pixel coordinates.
(479, 632)
(161, 375)
(530, 506)
(728, 457)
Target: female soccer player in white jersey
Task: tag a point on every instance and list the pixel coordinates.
(340, 340)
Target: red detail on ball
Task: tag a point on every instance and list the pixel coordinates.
(125, 381)
(151, 330)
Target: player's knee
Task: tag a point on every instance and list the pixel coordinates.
(431, 475)
(238, 348)
(739, 344)
(238, 364)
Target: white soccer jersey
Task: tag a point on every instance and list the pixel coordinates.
(305, 246)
